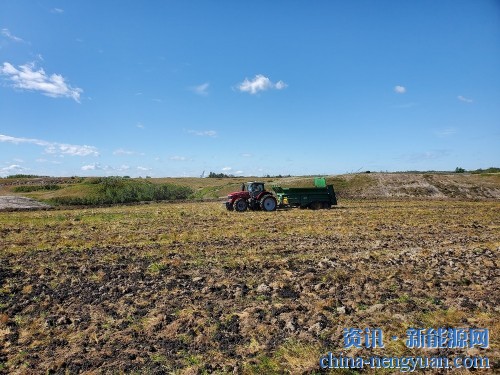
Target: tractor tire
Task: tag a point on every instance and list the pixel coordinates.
(240, 205)
(268, 203)
(326, 205)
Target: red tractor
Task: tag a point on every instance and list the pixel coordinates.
(254, 197)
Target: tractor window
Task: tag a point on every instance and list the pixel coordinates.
(254, 188)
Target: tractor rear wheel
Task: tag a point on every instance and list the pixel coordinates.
(240, 205)
(268, 203)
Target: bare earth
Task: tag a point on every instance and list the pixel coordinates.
(191, 288)
(20, 203)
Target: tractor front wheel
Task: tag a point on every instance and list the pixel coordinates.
(268, 203)
(240, 205)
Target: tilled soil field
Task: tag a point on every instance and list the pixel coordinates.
(190, 288)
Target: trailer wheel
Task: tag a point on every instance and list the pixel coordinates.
(240, 205)
(268, 203)
(326, 205)
(315, 205)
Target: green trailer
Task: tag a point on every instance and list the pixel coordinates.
(319, 196)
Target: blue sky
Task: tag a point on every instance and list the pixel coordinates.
(175, 88)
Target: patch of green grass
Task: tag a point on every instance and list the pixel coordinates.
(156, 267)
(113, 190)
(31, 188)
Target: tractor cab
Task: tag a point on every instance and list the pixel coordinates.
(255, 188)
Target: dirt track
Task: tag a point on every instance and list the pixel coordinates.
(14, 203)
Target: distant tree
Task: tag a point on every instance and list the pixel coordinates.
(459, 170)
(219, 175)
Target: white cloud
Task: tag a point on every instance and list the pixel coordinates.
(121, 151)
(280, 85)
(399, 89)
(54, 147)
(238, 172)
(144, 168)
(27, 78)
(246, 155)
(57, 10)
(99, 167)
(260, 83)
(14, 168)
(203, 133)
(6, 33)
(464, 99)
(226, 169)
(91, 167)
(178, 158)
(140, 125)
(201, 89)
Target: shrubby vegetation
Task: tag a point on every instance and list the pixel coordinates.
(30, 188)
(220, 175)
(110, 190)
(24, 176)
(487, 170)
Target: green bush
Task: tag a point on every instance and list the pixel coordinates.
(111, 190)
(30, 188)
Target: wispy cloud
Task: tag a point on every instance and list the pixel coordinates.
(41, 160)
(399, 89)
(106, 168)
(425, 156)
(121, 151)
(178, 158)
(464, 99)
(30, 79)
(260, 83)
(226, 169)
(406, 105)
(144, 168)
(57, 10)
(446, 132)
(140, 125)
(54, 147)
(203, 133)
(246, 155)
(201, 89)
(6, 33)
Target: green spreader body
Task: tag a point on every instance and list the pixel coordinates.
(319, 196)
